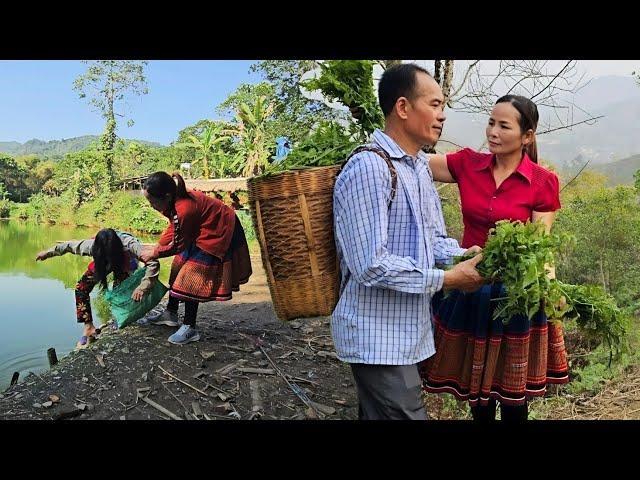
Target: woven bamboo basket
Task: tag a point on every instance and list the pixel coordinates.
(293, 218)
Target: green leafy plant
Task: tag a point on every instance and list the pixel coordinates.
(254, 144)
(207, 146)
(328, 145)
(517, 254)
(351, 83)
(596, 314)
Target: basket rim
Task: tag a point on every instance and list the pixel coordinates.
(289, 172)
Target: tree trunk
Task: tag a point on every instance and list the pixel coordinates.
(108, 140)
(391, 63)
(205, 166)
(445, 83)
(604, 283)
(447, 80)
(437, 71)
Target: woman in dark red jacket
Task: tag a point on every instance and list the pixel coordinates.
(211, 253)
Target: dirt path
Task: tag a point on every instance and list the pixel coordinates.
(247, 365)
(230, 371)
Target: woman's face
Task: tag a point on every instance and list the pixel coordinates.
(504, 135)
(159, 204)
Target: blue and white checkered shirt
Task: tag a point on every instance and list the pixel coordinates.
(387, 257)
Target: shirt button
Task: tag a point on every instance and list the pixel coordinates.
(493, 196)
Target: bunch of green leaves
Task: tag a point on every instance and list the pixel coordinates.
(351, 83)
(596, 313)
(518, 254)
(328, 144)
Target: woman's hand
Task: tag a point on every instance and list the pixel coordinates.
(137, 294)
(148, 254)
(474, 249)
(42, 255)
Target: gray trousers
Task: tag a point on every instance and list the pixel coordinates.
(389, 392)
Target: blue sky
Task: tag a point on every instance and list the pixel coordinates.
(37, 99)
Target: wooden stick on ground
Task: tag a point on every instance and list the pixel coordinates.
(258, 371)
(296, 389)
(173, 395)
(182, 381)
(160, 408)
(254, 386)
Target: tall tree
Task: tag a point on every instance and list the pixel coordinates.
(294, 115)
(13, 178)
(105, 84)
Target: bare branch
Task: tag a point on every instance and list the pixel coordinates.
(576, 176)
(450, 142)
(464, 80)
(592, 119)
(550, 87)
(516, 84)
(553, 79)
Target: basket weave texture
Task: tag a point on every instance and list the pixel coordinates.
(292, 215)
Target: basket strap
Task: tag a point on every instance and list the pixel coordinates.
(386, 157)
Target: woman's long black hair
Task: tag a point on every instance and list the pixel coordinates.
(108, 255)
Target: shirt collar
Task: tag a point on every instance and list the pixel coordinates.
(525, 168)
(390, 146)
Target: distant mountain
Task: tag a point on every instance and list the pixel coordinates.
(8, 147)
(56, 148)
(620, 172)
(612, 138)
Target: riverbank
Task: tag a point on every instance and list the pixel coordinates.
(119, 209)
(240, 369)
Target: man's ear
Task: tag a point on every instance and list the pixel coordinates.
(401, 107)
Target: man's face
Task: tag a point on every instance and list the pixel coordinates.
(424, 111)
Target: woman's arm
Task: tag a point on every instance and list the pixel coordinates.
(77, 247)
(439, 168)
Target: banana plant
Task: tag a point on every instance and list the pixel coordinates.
(225, 164)
(206, 145)
(251, 130)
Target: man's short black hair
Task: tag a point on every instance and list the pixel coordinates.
(397, 81)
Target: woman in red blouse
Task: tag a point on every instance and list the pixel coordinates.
(477, 358)
(211, 253)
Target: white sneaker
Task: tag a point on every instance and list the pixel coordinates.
(185, 334)
(170, 319)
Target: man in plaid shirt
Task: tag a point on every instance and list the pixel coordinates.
(388, 244)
